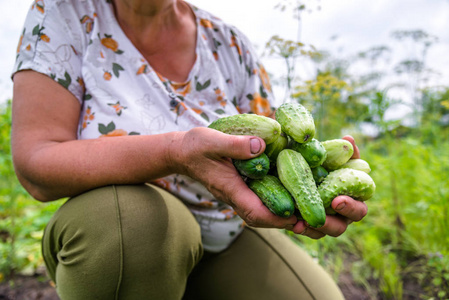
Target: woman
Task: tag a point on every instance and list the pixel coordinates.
(111, 95)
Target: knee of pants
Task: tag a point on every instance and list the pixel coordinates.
(262, 264)
(127, 241)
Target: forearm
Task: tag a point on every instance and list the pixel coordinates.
(54, 170)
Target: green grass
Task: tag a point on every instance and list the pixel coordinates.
(404, 239)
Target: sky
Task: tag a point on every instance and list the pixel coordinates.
(357, 24)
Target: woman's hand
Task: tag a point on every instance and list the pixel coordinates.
(205, 155)
(348, 211)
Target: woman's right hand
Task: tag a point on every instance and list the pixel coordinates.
(205, 155)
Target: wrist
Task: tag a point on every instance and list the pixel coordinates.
(174, 157)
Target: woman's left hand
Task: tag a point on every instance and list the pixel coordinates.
(348, 211)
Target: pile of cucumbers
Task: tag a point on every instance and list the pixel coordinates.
(297, 174)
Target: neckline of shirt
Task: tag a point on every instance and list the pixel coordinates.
(157, 76)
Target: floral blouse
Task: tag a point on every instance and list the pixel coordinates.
(80, 44)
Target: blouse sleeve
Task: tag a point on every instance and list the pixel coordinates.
(51, 45)
(256, 93)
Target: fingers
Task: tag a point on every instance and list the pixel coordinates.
(303, 228)
(334, 226)
(251, 209)
(356, 149)
(348, 209)
(352, 209)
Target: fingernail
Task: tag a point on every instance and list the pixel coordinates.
(340, 206)
(255, 146)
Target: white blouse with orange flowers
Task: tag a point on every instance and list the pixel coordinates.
(80, 45)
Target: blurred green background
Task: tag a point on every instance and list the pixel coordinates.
(400, 120)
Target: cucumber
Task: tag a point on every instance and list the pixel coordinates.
(296, 121)
(254, 168)
(313, 152)
(296, 175)
(249, 124)
(319, 173)
(357, 164)
(272, 150)
(273, 195)
(353, 183)
(339, 151)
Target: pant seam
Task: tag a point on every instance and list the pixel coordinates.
(120, 235)
(283, 259)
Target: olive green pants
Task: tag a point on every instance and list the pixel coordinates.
(140, 242)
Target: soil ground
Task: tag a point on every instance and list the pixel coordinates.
(39, 288)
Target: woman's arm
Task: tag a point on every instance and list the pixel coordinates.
(51, 163)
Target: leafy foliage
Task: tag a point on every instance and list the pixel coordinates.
(403, 242)
(22, 219)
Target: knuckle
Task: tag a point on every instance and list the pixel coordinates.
(361, 213)
(235, 142)
(318, 236)
(341, 229)
(250, 219)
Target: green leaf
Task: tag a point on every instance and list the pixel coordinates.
(36, 30)
(262, 92)
(111, 126)
(106, 129)
(116, 68)
(216, 43)
(66, 81)
(205, 116)
(234, 101)
(200, 87)
(220, 111)
(248, 69)
(102, 129)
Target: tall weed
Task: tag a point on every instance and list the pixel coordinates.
(406, 231)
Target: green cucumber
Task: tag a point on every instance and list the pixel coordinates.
(319, 173)
(357, 164)
(296, 175)
(254, 168)
(249, 124)
(273, 195)
(339, 151)
(272, 150)
(296, 121)
(353, 183)
(313, 152)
